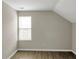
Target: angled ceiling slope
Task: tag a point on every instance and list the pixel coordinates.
(65, 8)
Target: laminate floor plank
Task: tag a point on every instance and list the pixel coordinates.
(43, 55)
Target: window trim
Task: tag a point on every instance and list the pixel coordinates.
(25, 28)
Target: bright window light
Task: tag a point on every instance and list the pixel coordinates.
(24, 27)
(25, 22)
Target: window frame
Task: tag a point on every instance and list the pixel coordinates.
(24, 28)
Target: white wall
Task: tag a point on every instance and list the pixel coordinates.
(9, 22)
(74, 37)
(67, 9)
(49, 31)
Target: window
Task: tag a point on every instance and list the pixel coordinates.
(24, 27)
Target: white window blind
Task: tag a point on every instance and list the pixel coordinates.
(24, 27)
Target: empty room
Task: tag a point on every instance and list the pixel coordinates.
(39, 29)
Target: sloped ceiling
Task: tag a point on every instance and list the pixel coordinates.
(65, 8)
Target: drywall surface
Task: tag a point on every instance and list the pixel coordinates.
(67, 9)
(9, 22)
(49, 31)
(74, 37)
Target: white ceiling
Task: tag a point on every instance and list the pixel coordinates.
(65, 8)
(32, 4)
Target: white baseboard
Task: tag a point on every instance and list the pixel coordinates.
(60, 50)
(73, 52)
(12, 54)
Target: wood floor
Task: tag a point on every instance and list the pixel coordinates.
(43, 55)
